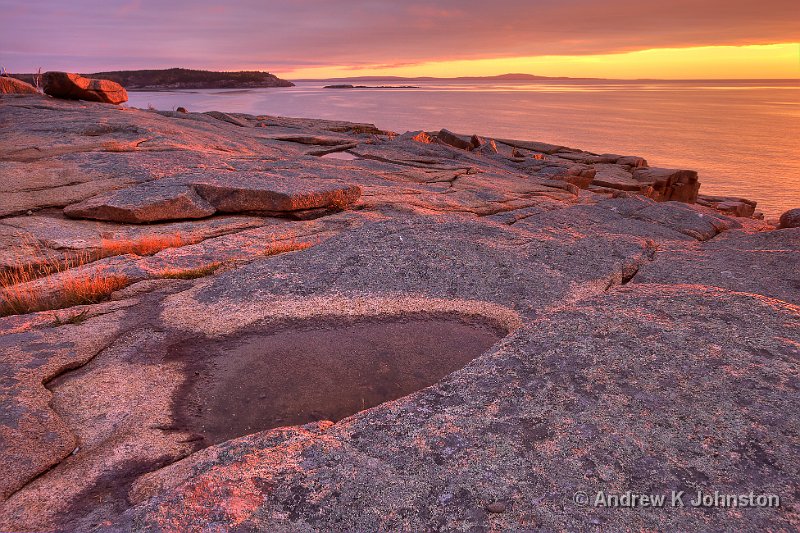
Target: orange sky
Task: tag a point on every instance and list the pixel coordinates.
(326, 38)
(773, 61)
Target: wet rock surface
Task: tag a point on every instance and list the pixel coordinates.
(648, 343)
(305, 372)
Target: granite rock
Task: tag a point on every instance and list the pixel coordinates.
(646, 344)
(76, 87)
(9, 85)
(790, 219)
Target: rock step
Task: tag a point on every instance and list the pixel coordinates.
(199, 196)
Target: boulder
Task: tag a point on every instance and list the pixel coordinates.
(199, 196)
(669, 184)
(585, 158)
(631, 161)
(578, 175)
(448, 137)
(143, 203)
(75, 87)
(738, 207)
(615, 177)
(790, 219)
(545, 148)
(259, 191)
(416, 136)
(9, 85)
(483, 146)
(226, 118)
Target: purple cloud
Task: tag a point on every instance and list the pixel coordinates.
(91, 35)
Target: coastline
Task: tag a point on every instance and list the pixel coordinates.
(690, 132)
(639, 332)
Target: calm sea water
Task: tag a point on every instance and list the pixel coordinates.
(743, 137)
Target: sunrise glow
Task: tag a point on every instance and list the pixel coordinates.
(772, 61)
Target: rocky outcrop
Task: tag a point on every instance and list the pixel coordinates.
(669, 184)
(223, 117)
(738, 207)
(9, 85)
(643, 338)
(76, 87)
(450, 138)
(253, 191)
(200, 196)
(584, 169)
(790, 219)
(142, 204)
(418, 136)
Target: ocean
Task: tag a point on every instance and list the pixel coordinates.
(742, 137)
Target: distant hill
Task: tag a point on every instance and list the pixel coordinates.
(182, 78)
(499, 77)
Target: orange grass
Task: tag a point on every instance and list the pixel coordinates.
(144, 245)
(70, 290)
(189, 273)
(61, 287)
(286, 246)
(58, 286)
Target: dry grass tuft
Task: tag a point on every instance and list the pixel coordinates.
(59, 287)
(49, 282)
(77, 318)
(189, 273)
(286, 246)
(144, 245)
(70, 290)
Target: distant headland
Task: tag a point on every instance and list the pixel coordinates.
(182, 78)
(499, 77)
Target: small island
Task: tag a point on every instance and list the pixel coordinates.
(349, 86)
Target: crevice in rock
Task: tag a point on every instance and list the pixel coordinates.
(408, 163)
(108, 497)
(630, 271)
(626, 278)
(59, 372)
(333, 150)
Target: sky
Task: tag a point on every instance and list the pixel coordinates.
(668, 39)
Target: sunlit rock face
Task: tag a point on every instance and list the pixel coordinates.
(9, 85)
(76, 87)
(326, 326)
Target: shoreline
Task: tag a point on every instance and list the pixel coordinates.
(672, 142)
(481, 309)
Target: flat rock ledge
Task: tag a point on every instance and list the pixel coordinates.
(649, 336)
(202, 195)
